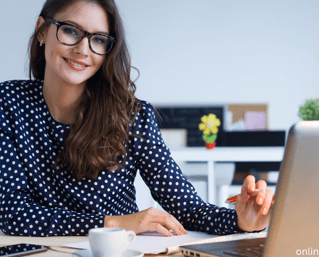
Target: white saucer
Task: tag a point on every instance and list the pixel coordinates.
(127, 253)
(132, 253)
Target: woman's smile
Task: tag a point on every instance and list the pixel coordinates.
(76, 65)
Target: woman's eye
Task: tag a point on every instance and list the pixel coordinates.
(70, 31)
(99, 40)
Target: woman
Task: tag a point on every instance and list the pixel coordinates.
(74, 137)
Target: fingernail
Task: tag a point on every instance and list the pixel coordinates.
(260, 200)
(265, 210)
(170, 235)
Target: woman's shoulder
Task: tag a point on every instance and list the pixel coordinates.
(147, 113)
(18, 84)
(144, 104)
(12, 88)
(146, 108)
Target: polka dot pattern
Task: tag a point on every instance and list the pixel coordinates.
(39, 200)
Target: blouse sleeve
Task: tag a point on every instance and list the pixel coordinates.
(169, 187)
(20, 214)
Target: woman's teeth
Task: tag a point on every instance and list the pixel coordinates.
(76, 64)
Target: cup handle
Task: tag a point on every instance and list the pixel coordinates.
(131, 236)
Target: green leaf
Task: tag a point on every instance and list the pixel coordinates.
(310, 110)
(205, 138)
(212, 138)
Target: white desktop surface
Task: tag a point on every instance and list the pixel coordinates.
(58, 242)
(226, 154)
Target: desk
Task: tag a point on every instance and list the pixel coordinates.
(57, 242)
(226, 154)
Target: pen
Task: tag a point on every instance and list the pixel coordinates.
(233, 199)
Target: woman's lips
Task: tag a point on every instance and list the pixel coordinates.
(75, 65)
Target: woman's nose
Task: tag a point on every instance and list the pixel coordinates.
(83, 47)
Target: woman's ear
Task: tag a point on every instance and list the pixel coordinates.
(41, 35)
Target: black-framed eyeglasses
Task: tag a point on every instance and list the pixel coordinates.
(69, 34)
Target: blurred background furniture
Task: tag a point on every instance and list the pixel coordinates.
(225, 154)
(217, 195)
(216, 174)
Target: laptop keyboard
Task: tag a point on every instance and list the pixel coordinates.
(254, 251)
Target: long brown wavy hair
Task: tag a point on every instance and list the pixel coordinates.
(98, 137)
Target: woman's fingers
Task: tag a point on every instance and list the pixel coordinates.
(169, 222)
(150, 219)
(253, 210)
(267, 202)
(261, 184)
(162, 222)
(159, 228)
(180, 226)
(248, 185)
(241, 203)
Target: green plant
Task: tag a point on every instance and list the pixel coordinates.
(209, 139)
(310, 110)
(209, 126)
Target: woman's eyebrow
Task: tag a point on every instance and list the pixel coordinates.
(78, 25)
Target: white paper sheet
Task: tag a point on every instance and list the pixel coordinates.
(155, 243)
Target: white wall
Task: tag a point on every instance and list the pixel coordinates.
(17, 23)
(203, 51)
(222, 51)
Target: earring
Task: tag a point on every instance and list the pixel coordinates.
(41, 42)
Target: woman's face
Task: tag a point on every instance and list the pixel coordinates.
(88, 16)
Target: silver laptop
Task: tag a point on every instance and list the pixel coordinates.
(294, 225)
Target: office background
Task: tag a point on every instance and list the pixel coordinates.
(204, 51)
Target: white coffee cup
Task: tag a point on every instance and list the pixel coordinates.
(110, 242)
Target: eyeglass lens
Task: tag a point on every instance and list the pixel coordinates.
(71, 35)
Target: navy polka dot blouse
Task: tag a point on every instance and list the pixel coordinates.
(39, 200)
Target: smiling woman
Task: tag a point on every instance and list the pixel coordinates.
(74, 137)
(72, 69)
(57, 55)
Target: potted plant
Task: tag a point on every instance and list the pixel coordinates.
(310, 110)
(209, 127)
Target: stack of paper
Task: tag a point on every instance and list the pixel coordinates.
(155, 243)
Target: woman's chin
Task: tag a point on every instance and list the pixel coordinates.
(75, 81)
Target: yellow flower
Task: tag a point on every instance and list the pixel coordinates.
(210, 124)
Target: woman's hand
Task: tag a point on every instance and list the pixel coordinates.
(254, 212)
(150, 219)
